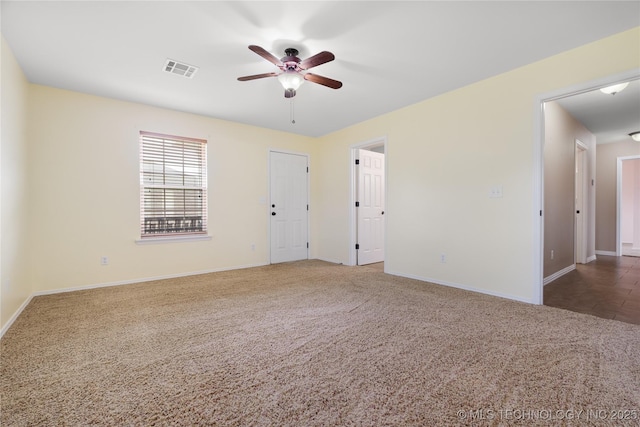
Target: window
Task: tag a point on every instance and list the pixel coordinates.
(173, 185)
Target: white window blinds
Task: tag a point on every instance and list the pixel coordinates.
(173, 185)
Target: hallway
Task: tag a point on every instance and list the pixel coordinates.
(608, 287)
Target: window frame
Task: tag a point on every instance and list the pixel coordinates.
(177, 211)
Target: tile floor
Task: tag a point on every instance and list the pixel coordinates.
(608, 287)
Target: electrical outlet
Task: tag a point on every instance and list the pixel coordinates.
(253, 246)
(443, 258)
(496, 192)
(552, 253)
(104, 260)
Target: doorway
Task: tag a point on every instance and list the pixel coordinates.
(367, 200)
(539, 210)
(628, 206)
(289, 206)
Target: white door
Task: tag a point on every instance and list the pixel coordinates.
(580, 205)
(288, 207)
(370, 208)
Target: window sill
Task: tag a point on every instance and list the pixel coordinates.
(171, 239)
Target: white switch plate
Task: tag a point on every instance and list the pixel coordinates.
(495, 192)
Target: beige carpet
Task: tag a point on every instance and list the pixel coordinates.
(311, 343)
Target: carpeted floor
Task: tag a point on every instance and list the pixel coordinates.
(312, 343)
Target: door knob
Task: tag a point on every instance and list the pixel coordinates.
(382, 212)
(273, 206)
(273, 214)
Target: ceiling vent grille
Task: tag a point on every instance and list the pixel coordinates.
(180, 68)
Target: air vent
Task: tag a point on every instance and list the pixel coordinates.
(180, 68)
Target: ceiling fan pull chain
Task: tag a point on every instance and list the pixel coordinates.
(292, 112)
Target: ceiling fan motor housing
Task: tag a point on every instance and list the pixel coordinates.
(290, 61)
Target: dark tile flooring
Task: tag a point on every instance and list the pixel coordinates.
(608, 287)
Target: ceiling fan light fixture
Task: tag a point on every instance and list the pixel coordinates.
(291, 80)
(612, 90)
(635, 136)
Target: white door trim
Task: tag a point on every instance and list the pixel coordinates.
(353, 218)
(538, 165)
(581, 223)
(619, 201)
(268, 184)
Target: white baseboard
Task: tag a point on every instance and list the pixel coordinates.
(13, 318)
(144, 279)
(591, 258)
(607, 253)
(332, 261)
(558, 274)
(463, 287)
(118, 283)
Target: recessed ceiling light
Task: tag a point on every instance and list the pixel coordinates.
(180, 68)
(612, 90)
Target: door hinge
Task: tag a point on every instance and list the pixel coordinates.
(307, 207)
(307, 245)
(357, 204)
(357, 161)
(307, 169)
(357, 246)
(540, 212)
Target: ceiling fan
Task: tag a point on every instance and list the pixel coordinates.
(291, 67)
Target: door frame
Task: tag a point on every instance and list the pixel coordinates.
(353, 191)
(580, 185)
(268, 210)
(619, 201)
(538, 166)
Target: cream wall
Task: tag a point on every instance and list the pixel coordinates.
(85, 200)
(444, 155)
(606, 187)
(15, 286)
(561, 132)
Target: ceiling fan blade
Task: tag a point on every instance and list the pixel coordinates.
(257, 76)
(317, 59)
(324, 81)
(266, 55)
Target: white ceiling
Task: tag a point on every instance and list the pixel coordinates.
(389, 54)
(611, 118)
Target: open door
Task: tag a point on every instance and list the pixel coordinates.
(370, 207)
(580, 205)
